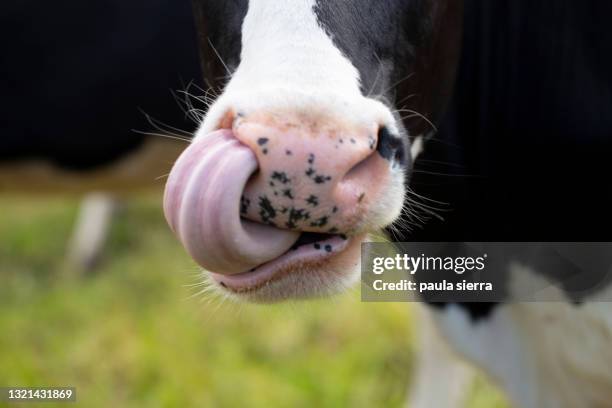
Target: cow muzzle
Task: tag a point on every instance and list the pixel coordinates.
(240, 198)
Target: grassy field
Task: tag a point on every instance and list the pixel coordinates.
(136, 334)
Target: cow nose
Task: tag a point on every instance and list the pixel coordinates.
(311, 177)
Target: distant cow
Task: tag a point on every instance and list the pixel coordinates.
(312, 145)
(77, 77)
(80, 82)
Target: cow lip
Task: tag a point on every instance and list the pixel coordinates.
(287, 263)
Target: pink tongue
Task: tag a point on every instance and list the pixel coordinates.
(202, 206)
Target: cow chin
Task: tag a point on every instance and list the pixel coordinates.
(299, 279)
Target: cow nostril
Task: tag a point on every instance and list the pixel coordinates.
(391, 147)
(227, 120)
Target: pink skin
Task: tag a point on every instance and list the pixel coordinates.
(227, 185)
(313, 178)
(201, 204)
(268, 271)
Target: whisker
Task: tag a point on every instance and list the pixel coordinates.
(406, 98)
(417, 114)
(229, 72)
(442, 163)
(173, 137)
(188, 108)
(414, 193)
(436, 173)
(157, 124)
(407, 77)
(378, 71)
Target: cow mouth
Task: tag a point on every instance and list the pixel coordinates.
(202, 203)
(310, 251)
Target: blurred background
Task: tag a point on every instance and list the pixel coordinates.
(136, 333)
(81, 85)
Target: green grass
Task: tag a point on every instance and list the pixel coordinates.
(133, 334)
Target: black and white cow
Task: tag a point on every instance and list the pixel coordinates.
(77, 81)
(309, 103)
(311, 146)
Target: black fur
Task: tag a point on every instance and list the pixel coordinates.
(220, 37)
(524, 152)
(75, 75)
(380, 38)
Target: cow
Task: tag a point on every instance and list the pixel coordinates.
(84, 87)
(335, 120)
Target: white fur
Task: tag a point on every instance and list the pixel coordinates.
(542, 354)
(287, 60)
(417, 147)
(437, 368)
(289, 63)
